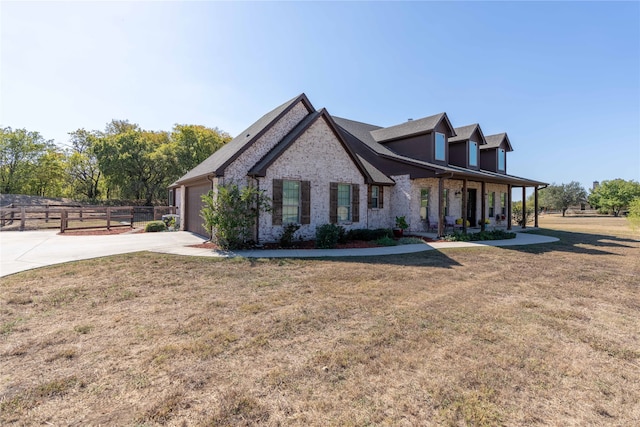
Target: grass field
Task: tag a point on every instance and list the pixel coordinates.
(535, 335)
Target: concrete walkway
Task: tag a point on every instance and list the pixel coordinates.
(20, 251)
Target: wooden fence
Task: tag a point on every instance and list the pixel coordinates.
(79, 217)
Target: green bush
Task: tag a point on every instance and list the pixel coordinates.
(154, 226)
(410, 240)
(368, 235)
(386, 241)
(286, 240)
(328, 235)
(459, 236)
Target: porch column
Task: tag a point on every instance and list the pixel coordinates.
(524, 207)
(483, 205)
(464, 205)
(535, 206)
(440, 207)
(509, 201)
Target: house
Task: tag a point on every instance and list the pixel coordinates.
(320, 169)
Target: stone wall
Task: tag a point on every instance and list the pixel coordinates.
(316, 156)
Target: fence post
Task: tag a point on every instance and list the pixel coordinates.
(132, 214)
(109, 218)
(63, 220)
(46, 214)
(23, 217)
(81, 214)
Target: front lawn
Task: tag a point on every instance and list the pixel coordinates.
(532, 335)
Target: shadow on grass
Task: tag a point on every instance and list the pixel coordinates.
(578, 243)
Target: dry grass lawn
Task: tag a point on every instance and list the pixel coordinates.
(536, 335)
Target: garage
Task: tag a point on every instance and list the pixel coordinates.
(193, 220)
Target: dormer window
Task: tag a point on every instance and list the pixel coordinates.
(501, 159)
(440, 147)
(473, 153)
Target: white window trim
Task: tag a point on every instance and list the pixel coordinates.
(350, 205)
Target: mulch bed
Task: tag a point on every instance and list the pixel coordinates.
(309, 244)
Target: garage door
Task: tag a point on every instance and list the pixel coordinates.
(194, 206)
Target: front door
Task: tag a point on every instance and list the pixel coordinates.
(471, 206)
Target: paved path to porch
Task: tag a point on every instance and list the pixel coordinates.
(521, 239)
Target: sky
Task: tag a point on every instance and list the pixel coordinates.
(561, 78)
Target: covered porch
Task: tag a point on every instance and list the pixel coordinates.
(478, 209)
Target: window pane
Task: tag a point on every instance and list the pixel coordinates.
(440, 146)
(473, 153)
(501, 159)
(344, 202)
(290, 202)
(424, 203)
(375, 191)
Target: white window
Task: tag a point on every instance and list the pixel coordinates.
(473, 153)
(344, 202)
(441, 145)
(290, 202)
(375, 196)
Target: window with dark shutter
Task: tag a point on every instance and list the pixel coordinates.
(276, 213)
(355, 203)
(305, 203)
(333, 203)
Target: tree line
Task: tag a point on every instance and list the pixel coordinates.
(122, 162)
(610, 196)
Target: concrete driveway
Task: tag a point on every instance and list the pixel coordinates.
(24, 250)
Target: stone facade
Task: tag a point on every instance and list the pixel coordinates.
(301, 162)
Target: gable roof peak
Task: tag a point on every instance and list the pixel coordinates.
(494, 141)
(412, 128)
(464, 133)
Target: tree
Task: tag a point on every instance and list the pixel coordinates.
(47, 175)
(194, 144)
(634, 213)
(82, 165)
(19, 154)
(230, 213)
(141, 163)
(614, 195)
(563, 196)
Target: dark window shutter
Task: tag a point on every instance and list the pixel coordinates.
(276, 214)
(355, 203)
(381, 197)
(305, 203)
(369, 201)
(333, 203)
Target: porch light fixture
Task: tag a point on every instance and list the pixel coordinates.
(457, 193)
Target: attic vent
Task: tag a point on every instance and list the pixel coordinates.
(248, 135)
(409, 120)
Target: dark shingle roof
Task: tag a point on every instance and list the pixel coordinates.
(494, 141)
(372, 174)
(464, 133)
(218, 161)
(410, 128)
